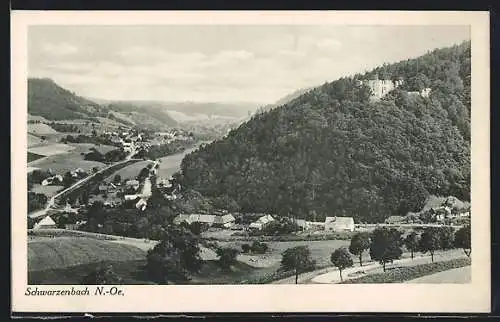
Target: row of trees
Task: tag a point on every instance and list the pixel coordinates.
(384, 245)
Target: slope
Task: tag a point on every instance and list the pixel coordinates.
(336, 151)
(66, 252)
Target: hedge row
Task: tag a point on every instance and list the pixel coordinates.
(402, 274)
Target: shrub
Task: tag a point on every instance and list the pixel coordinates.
(259, 248)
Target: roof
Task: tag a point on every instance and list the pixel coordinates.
(393, 219)
(209, 219)
(132, 182)
(47, 221)
(339, 220)
(255, 225)
(265, 219)
(224, 219)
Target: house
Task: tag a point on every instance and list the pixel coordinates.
(134, 184)
(141, 204)
(45, 223)
(224, 221)
(395, 220)
(131, 197)
(55, 180)
(261, 222)
(78, 173)
(203, 219)
(441, 213)
(425, 92)
(339, 224)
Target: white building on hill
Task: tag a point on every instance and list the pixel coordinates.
(337, 224)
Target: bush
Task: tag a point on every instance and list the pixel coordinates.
(259, 248)
(245, 248)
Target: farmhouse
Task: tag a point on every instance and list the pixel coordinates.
(134, 184)
(339, 224)
(203, 219)
(141, 204)
(45, 223)
(55, 180)
(224, 221)
(395, 220)
(261, 222)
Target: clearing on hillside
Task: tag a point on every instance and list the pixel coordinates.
(40, 129)
(66, 252)
(33, 140)
(51, 149)
(60, 163)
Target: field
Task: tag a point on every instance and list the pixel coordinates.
(40, 129)
(60, 163)
(51, 149)
(130, 171)
(320, 251)
(85, 147)
(70, 251)
(49, 191)
(33, 140)
(32, 157)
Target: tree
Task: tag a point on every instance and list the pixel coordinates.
(411, 242)
(245, 248)
(259, 247)
(103, 275)
(67, 179)
(385, 245)
(463, 239)
(117, 179)
(297, 259)
(359, 243)
(175, 258)
(430, 241)
(342, 259)
(227, 257)
(446, 235)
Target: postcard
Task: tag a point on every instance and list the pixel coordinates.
(295, 161)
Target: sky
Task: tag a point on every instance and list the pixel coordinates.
(216, 63)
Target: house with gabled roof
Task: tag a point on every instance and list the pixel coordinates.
(45, 223)
(337, 224)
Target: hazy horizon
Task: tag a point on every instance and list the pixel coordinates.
(219, 64)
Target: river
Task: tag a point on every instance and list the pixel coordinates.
(171, 164)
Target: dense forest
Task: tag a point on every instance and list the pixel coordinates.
(335, 151)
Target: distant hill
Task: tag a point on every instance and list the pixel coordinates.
(52, 102)
(141, 114)
(49, 101)
(336, 151)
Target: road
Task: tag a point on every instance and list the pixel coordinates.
(460, 275)
(51, 201)
(330, 275)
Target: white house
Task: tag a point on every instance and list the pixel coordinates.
(57, 179)
(339, 224)
(133, 184)
(225, 221)
(204, 219)
(131, 197)
(141, 204)
(46, 223)
(261, 222)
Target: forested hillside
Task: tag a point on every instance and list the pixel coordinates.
(51, 101)
(355, 156)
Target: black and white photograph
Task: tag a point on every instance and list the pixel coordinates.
(249, 154)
